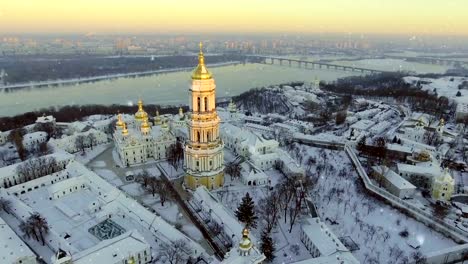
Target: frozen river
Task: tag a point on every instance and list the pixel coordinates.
(172, 88)
(168, 88)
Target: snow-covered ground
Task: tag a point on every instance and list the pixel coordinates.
(372, 224)
(109, 176)
(90, 154)
(445, 86)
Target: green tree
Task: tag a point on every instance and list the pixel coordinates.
(246, 212)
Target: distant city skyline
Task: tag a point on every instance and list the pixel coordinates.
(416, 17)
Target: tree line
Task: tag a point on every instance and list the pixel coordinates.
(26, 69)
(392, 85)
(71, 113)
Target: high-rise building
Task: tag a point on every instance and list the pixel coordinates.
(204, 157)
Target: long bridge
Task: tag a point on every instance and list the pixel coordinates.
(313, 65)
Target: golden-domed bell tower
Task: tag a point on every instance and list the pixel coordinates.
(204, 157)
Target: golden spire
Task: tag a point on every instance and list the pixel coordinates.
(157, 119)
(145, 127)
(201, 72)
(120, 122)
(124, 130)
(140, 115)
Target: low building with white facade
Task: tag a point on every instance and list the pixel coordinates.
(33, 139)
(46, 120)
(11, 176)
(322, 244)
(261, 151)
(250, 175)
(394, 183)
(12, 249)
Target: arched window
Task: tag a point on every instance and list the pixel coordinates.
(198, 136)
(208, 136)
(206, 104)
(198, 104)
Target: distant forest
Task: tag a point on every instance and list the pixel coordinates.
(392, 85)
(22, 69)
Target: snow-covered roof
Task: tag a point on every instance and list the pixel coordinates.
(399, 148)
(12, 248)
(428, 171)
(45, 119)
(9, 171)
(113, 250)
(231, 226)
(323, 239)
(363, 124)
(338, 257)
(76, 210)
(395, 179)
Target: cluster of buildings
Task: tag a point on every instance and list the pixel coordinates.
(91, 221)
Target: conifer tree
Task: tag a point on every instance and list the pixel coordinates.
(246, 212)
(267, 246)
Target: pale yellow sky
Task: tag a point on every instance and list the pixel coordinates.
(438, 17)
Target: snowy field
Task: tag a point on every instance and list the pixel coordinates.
(288, 246)
(395, 65)
(90, 154)
(444, 86)
(109, 176)
(375, 226)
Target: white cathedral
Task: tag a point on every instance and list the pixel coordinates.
(137, 140)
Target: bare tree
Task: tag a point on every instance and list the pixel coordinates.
(269, 210)
(233, 169)
(5, 205)
(92, 140)
(80, 143)
(175, 253)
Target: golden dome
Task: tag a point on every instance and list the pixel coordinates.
(245, 242)
(131, 260)
(140, 115)
(124, 130)
(157, 119)
(120, 123)
(201, 72)
(145, 125)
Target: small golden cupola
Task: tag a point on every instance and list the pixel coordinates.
(124, 130)
(145, 126)
(140, 115)
(120, 123)
(157, 118)
(181, 112)
(201, 72)
(245, 244)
